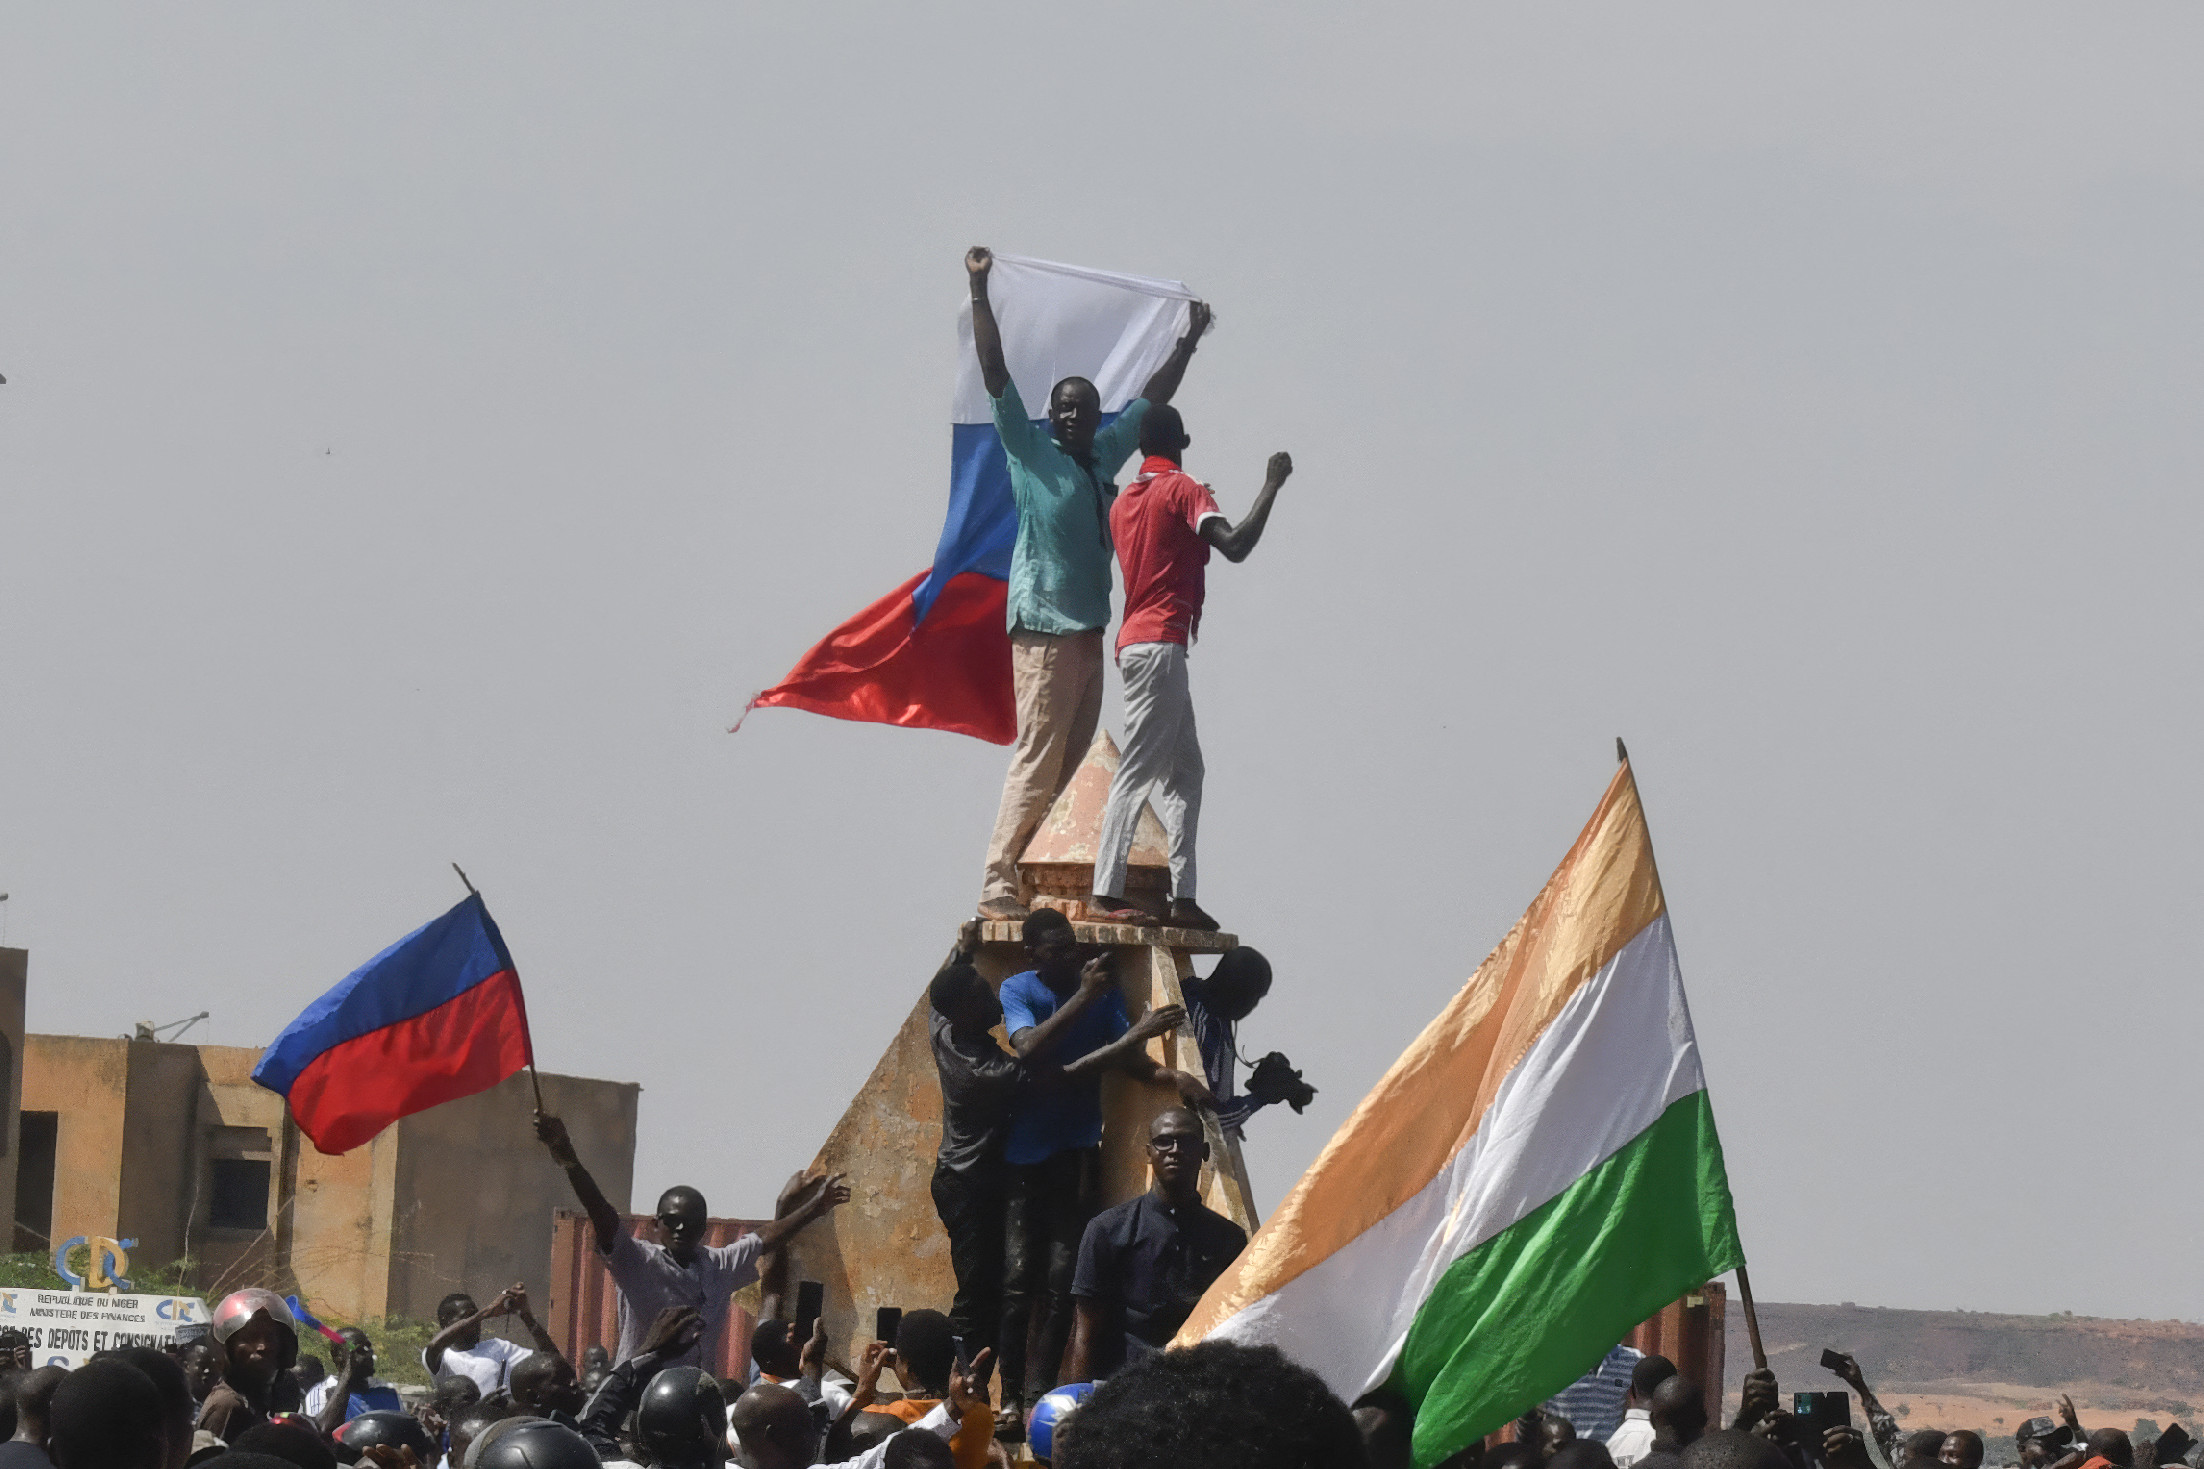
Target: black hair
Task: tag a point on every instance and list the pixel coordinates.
(1064, 383)
(1680, 1406)
(773, 1342)
(1652, 1370)
(953, 986)
(1215, 1405)
(1511, 1455)
(1043, 921)
(454, 1390)
(1242, 973)
(34, 1394)
(293, 1443)
(309, 1365)
(1387, 1424)
(1734, 1448)
(167, 1375)
(2113, 1444)
(532, 1374)
(454, 1306)
(1922, 1443)
(928, 1343)
(869, 1430)
(680, 1191)
(1163, 431)
(916, 1448)
(1582, 1453)
(106, 1415)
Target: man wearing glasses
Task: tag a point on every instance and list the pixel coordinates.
(678, 1268)
(1144, 1264)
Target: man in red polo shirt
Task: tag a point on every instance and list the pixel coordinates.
(1163, 525)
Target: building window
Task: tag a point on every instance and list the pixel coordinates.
(34, 1181)
(239, 1196)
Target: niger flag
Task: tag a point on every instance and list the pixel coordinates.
(1537, 1175)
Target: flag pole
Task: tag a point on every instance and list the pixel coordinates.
(534, 1081)
(1752, 1322)
(1744, 1281)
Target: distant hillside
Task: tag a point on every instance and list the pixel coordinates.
(1968, 1369)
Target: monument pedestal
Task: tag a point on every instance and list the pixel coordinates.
(886, 1247)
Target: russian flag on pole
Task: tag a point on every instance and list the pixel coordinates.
(935, 652)
(436, 1016)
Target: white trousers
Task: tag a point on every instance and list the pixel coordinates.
(1162, 757)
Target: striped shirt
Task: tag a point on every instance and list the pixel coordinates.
(1593, 1403)
(1219, 1051)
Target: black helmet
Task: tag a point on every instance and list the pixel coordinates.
(683, 1417)
(540, 1444)
(387, 1426)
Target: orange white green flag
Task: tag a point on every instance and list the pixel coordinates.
(1536, 1175)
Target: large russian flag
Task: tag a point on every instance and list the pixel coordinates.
(436, 1016)
(1536, 1175)
(935, 652)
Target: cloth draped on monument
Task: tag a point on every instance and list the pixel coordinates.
(935, 652)
(1535, 1176)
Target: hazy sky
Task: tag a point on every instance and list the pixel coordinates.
(426, 425)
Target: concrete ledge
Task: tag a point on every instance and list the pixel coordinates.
(1192, 940)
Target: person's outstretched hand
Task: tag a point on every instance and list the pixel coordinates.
(979, 260)
(1279, 470)
(1198, 318)
(1193, 1091)
(811, 1361)
(1160, 1021)
(2068, 1415)
(677, 1329)
(1095, 975)
(968, 1386)
(819, 1193)
(1848, 1372)
(551, 1131)
(1843, 1448)
(1758, 1399)
(876, 1357)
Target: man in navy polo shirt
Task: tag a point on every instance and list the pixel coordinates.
(1056, 1012)
(1144, 1265)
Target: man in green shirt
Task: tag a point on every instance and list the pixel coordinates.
(1059, 591)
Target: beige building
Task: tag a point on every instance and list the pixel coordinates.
(174, 1146)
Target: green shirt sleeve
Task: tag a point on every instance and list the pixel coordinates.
(1021, 440)
(1121, 440)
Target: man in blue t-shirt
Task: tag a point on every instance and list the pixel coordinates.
(1055, 1013)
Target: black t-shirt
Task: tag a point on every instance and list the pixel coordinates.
(1147, 1265)
(979, 1079)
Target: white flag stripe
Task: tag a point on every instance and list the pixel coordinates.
(1610, 1063)
(1062, 321)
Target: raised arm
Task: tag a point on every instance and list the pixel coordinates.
(1114, 1056)
(432, 1355)
(1165, 382)
(1034, 1042)
(516, 1299)
(675, 1330)
(1879, 1421)
(820, 1193)
(1235, 541)
(987, 338)
(604, 1220)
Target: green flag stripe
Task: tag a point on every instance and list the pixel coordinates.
(1536, 1306)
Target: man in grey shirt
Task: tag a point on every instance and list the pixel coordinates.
(678, 1268)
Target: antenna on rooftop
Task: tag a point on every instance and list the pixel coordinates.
(148, 1031)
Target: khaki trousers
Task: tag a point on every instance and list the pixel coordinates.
(1059, 685)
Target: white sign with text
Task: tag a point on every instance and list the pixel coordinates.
(66, 1327)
